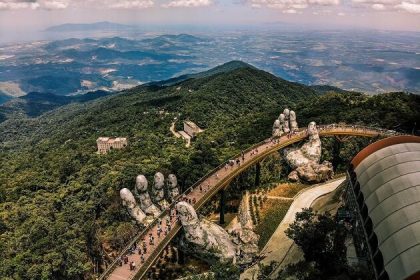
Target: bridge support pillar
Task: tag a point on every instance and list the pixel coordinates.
(336, 153)
(222, 207)
(181, 256)
(257, 174)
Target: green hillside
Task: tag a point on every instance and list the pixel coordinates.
(36, 103)
(59, 201)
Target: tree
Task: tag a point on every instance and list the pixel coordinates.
(225, 271)
(321, 239)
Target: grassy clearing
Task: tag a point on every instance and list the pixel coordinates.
(287, 189)
(272, 214)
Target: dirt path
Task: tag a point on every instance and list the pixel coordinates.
(172, 129)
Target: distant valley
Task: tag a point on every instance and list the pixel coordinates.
(77, 66)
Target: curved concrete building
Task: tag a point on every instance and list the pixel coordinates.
(385, 186)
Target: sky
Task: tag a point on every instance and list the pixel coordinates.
(18, 16)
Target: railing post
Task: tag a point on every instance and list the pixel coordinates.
(257, 174)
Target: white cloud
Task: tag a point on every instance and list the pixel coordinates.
(54, 5)
(409, 7)
(135, 4)
(341, 14)
(324, 2)
(290, 11)
(11, 5)
(35, 4)
(299, 6)
(291, 6)
(378, 7)
(192, 3)
(63, 4)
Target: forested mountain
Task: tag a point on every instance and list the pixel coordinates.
(59, 201)
(35, 103)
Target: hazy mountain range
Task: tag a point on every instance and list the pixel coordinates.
(364, 61)
(103, 25)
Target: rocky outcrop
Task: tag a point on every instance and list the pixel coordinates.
(208, 238)
(142, 194)
(315, 173)
(305, 160)
(293, 176)
(243, 235)
(130, 203)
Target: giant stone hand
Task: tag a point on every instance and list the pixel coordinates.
(286, 114)
(293, 121)
(158, 191)
(130, 203)
(173, 188)
(142, 194)
(306, 160)
(277, 130)
(208, 238)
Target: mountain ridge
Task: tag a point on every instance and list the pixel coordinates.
(222, 68)
(102, 25)
(49, 101)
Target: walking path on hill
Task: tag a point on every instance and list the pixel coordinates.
(172, 129)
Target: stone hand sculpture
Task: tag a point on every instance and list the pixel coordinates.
(286, 127)
(208, 238)
(143, 196)
(243, 234)
(285, 123)
(310, 152)
(129, 202)
(282, 120)
(158, 191)
(277, 130)
(305, 160)
(293, 121)
(173, 188)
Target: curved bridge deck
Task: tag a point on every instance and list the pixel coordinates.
(211, 184)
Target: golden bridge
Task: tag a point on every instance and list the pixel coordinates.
(213, 182)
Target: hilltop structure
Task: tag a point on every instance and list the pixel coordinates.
(105, 144)
(191, 128)
(383, 199)
(190, 131)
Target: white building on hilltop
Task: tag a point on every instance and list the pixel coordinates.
(105, 144)
(191, 128)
